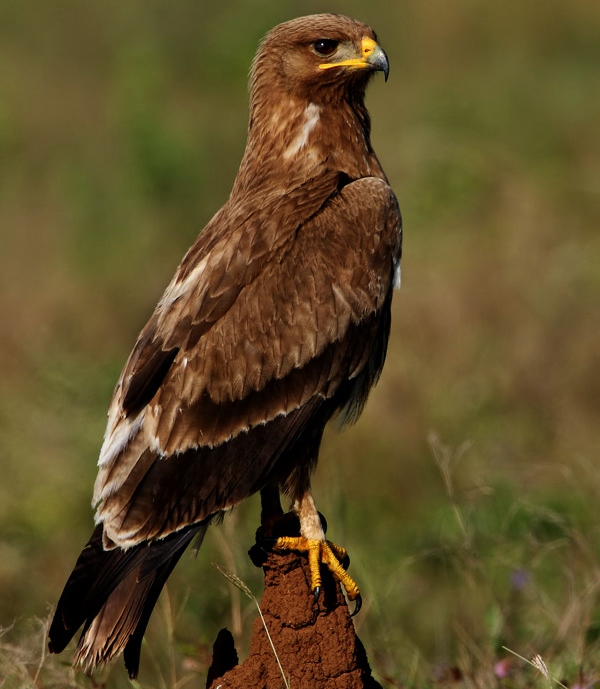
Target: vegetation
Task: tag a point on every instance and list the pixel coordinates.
(468, 493)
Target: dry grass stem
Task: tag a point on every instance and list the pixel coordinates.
(242, 586)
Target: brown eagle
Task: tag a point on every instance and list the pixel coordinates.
(277, 318)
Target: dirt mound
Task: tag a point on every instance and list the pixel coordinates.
(316, 642)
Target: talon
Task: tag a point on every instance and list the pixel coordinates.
(357, 605)
(266, 544)
(329, 554)
(261, 550)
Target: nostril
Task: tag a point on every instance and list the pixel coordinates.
(368, 47)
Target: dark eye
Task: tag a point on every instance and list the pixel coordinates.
(326, 46)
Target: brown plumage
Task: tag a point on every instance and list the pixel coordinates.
(276, 319)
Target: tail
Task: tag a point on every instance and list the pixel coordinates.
(112, 593)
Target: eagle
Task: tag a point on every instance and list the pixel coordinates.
(277, 319)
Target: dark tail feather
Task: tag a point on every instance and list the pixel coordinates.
(131, 653)
(112, 593)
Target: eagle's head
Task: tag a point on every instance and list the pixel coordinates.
(323, 56)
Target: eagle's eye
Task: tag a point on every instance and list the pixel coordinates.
(325, 46)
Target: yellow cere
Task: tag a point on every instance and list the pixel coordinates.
(368, 46)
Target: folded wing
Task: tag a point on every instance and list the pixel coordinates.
(248, 346)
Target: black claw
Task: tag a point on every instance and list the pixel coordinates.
(316, 594)
(357, 606)
(323, 522)
(267, 544)
(261, 550)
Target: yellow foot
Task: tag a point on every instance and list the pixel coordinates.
(330, 555)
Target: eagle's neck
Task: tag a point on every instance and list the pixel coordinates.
(292, 139)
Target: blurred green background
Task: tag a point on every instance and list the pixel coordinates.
(468, 492)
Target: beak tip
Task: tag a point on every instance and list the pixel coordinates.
(379, 61)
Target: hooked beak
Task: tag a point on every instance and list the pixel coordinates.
(373, 57)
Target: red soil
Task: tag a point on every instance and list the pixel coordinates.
(316, 642)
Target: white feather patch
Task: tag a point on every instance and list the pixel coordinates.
(311, 118)
(118, 435)
(177, 289)
(397, 275)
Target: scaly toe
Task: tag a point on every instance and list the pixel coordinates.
(330, 555)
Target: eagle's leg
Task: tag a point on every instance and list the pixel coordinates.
(312, 540)
(270, 504)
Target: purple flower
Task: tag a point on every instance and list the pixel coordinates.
(519, 579)
(503, 668)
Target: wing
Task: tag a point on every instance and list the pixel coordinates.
(251, 342)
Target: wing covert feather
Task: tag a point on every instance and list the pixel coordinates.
(296, 330)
